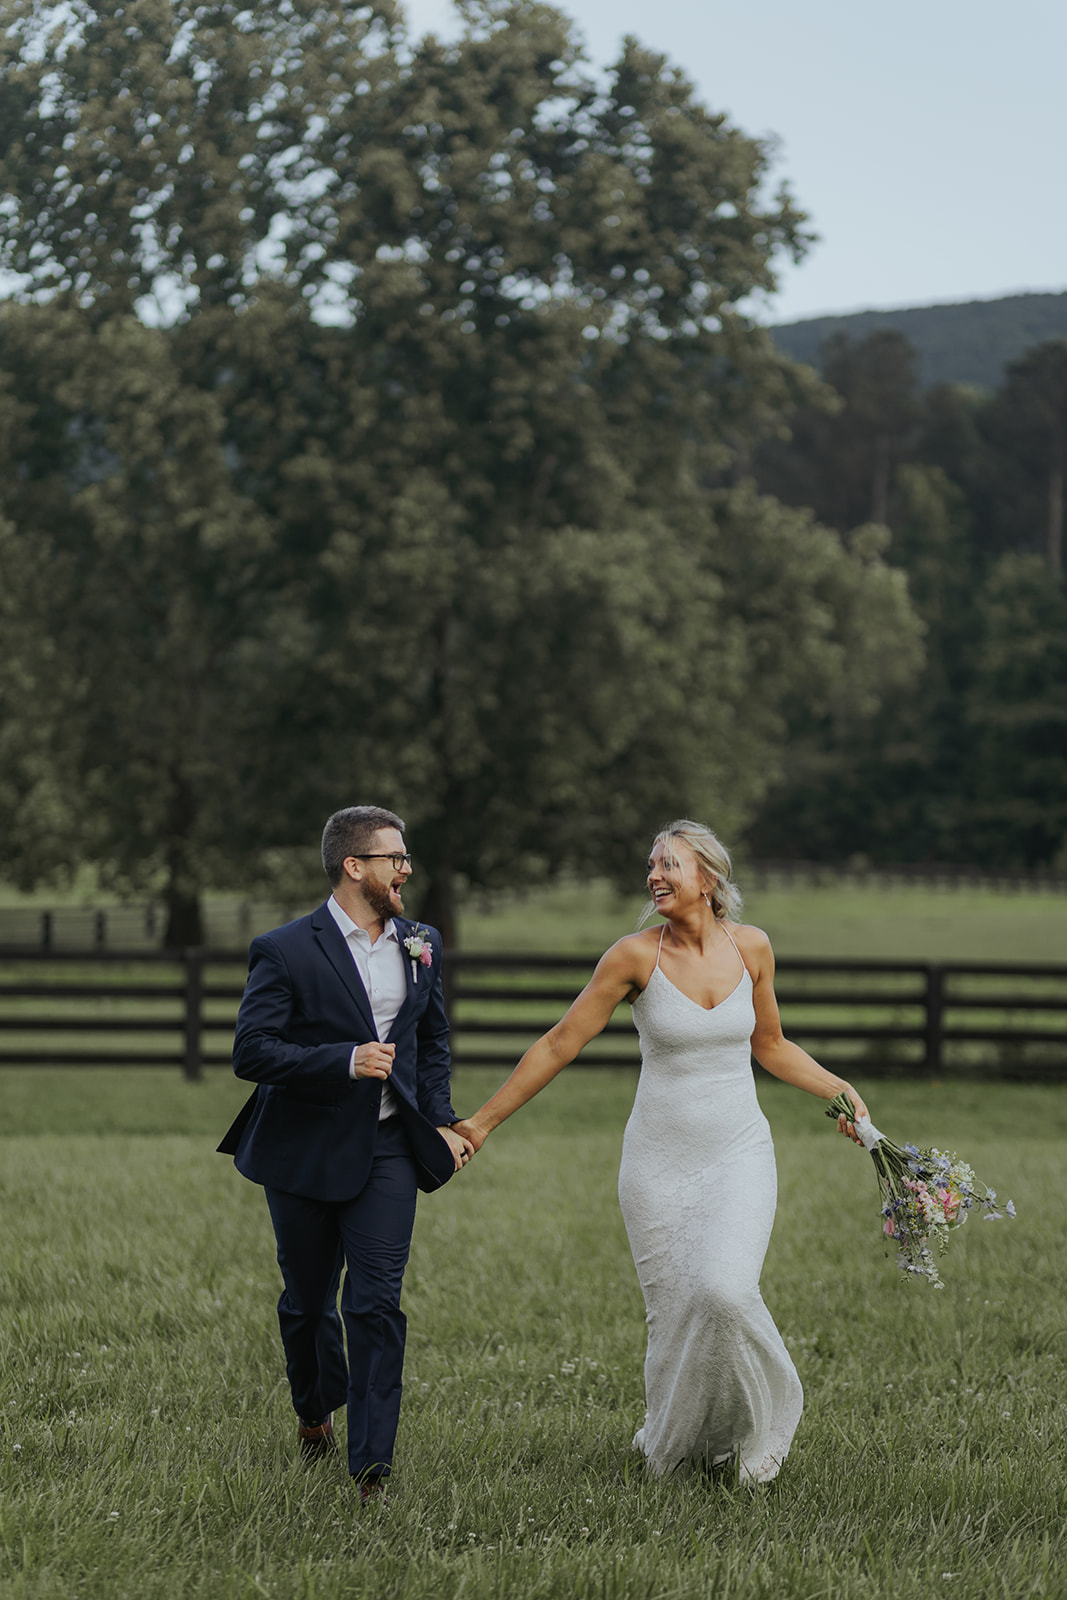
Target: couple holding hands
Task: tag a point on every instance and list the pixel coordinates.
(343, 1030)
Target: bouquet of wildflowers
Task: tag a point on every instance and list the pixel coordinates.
(925, 1193)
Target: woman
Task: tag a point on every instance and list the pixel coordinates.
(697, 1182)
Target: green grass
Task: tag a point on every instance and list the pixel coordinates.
(906, 923)
(146, 1438)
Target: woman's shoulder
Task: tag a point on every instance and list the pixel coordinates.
(753, 943)
(634, 954)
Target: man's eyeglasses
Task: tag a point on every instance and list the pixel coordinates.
(399, 859)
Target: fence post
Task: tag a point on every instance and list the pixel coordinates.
(935, 1009)
(46, 930)
(194, 994)
(99, 930)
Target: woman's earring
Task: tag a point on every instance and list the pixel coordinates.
(707, 899)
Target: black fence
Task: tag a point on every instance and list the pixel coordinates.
(176, 1009)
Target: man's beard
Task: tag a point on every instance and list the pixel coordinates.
(379, 899)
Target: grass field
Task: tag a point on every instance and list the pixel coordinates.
(146, 1444)
(827, 920)
(893, 923)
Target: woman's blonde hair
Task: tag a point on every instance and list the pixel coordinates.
(713, 859)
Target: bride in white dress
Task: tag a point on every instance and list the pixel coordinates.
(697, 1183)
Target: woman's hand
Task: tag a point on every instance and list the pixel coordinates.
(468, 1129)
(843, 1123)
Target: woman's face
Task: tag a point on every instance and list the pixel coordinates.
(674, 880)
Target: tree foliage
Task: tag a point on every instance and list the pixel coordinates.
(963, 762)
(1026, 425)
(145, 641)
(417, 493)
(1018, 715)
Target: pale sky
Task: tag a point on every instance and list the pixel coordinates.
(925, 139)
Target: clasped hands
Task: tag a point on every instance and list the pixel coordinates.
(375, 1060)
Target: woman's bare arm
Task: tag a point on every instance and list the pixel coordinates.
(620, 971)
(774, 1052)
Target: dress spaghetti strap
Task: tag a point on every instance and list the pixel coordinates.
(659, 947)
(733, 941)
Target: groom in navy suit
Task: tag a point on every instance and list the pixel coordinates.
(343, 1029)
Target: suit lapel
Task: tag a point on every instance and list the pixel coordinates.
(335, 948)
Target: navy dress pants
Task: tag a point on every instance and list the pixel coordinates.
(371, 1236)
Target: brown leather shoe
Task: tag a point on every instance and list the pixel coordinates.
(316, 1438)
(371, 1492)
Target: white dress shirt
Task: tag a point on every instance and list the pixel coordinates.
(381, 967)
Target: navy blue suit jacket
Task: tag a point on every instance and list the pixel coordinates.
(310, 1128)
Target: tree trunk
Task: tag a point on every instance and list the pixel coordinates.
(880, 478)
(182, 893)
(1055, 518)
(184, 922)
(439, 902)
(439, 905)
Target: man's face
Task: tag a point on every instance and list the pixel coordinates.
(382, 883)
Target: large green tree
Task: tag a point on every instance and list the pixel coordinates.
(146, 595)
(456, 350)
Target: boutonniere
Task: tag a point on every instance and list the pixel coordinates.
(420, 950)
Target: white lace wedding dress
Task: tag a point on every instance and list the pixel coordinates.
(698, 1189)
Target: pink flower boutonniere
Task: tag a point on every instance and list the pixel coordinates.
(420, 950)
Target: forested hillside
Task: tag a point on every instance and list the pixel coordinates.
(970, 343)
(964, 494)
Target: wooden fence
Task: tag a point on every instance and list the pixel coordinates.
(176, 1009)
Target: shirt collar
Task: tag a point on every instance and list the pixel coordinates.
(350, 928)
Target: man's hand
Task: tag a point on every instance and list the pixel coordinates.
(470, 1131)
(461, 1148)
(373, 1060)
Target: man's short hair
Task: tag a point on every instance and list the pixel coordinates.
(351, 833)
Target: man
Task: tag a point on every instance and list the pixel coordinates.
(342, 1027)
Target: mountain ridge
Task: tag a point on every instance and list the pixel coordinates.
(965, 342)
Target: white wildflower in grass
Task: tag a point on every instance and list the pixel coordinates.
(925, 1194)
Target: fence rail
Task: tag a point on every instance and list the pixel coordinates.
(177, 1009)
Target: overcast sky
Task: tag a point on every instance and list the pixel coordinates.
(926, 141)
